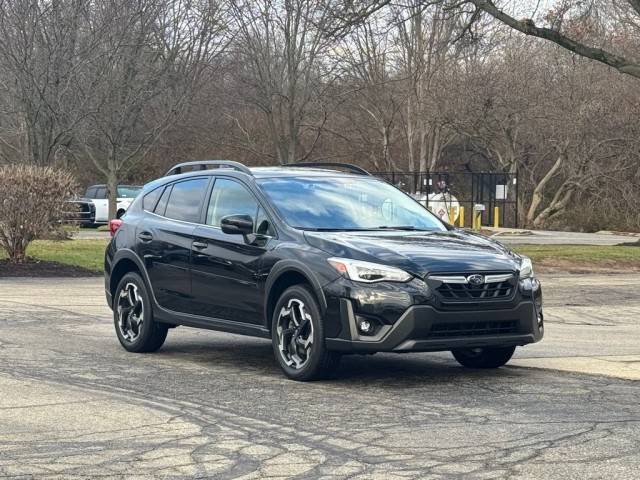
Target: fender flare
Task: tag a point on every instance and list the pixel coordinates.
(128, 254)
(284, 266)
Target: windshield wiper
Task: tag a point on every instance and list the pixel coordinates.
(400, 227)
(383, 227)
(322, 229)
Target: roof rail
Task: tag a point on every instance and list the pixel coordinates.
(352, 168)
(203, 164)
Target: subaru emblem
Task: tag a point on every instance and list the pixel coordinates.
(475, 279)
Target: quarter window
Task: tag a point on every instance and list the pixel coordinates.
(150, 199)
(185, 200)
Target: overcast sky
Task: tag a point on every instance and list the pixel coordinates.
(530, 8)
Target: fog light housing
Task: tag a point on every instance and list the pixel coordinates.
(366, 326)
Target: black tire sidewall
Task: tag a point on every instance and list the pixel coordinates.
(314, 366)
(490, 357)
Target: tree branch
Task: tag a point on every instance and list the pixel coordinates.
(528, 27)
(635, 4)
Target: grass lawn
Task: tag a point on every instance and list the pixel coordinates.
(88, 254)
(582, 256)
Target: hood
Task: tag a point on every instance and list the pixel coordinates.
(419, 252)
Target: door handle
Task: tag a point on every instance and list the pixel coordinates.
(145, 236)
(200, 245)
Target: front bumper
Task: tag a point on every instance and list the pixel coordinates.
(420, 329)
(423, 325)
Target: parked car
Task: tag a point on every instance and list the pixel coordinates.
(321, 261)
(80, 211)
(98, 195)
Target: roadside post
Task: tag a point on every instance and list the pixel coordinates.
(478, 208)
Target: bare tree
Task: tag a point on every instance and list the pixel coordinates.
(627, 12)
(368, 58)
(151, 57)
(281, 47)
(39, 56)
(426, 31)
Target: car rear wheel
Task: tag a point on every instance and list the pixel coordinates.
(486, 357)
(298, 336)
(133, 317)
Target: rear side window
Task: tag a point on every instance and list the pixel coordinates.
(151, 199)
(185, 199)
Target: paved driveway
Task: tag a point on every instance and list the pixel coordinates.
(73, 403)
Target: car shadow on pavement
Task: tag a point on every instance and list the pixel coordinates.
(249, 356)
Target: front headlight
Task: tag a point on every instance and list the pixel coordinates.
(368, 272)
(526, 268)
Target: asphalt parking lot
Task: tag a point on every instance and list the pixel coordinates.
(74, 403)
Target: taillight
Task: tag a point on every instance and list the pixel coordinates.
(114, 225)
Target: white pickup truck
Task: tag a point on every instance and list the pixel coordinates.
(98, 195)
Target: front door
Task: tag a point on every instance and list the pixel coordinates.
(225, 268)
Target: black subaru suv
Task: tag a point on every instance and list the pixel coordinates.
(321, 261)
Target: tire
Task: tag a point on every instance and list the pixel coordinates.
(133, 317)
(300, 359)
(489, 357)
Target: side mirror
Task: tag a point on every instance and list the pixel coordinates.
(237, 224)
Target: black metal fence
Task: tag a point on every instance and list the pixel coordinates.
(497, 192)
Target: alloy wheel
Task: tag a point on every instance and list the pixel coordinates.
(295, 334)
(130, 312)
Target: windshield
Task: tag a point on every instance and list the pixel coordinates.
(346, 203)
(126, 191)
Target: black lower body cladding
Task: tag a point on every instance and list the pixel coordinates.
(422, 328)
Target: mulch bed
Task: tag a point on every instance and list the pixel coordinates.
(39, 268)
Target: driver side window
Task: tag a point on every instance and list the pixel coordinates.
(230, 198)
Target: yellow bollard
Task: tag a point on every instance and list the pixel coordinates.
(496, 217)
(452, 215)
(461, 216)
(477, 220)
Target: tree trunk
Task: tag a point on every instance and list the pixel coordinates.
(557, 206)
(537, 196)
(386, 141)
(423, 149)
(410, 135)
(435, 148)
(112, 191)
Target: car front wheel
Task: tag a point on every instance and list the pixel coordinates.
(133, 316)
(298, 336)
(486, 357)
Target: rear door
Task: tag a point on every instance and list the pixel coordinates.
(164, 240)
(101, 203)
(225, 268)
